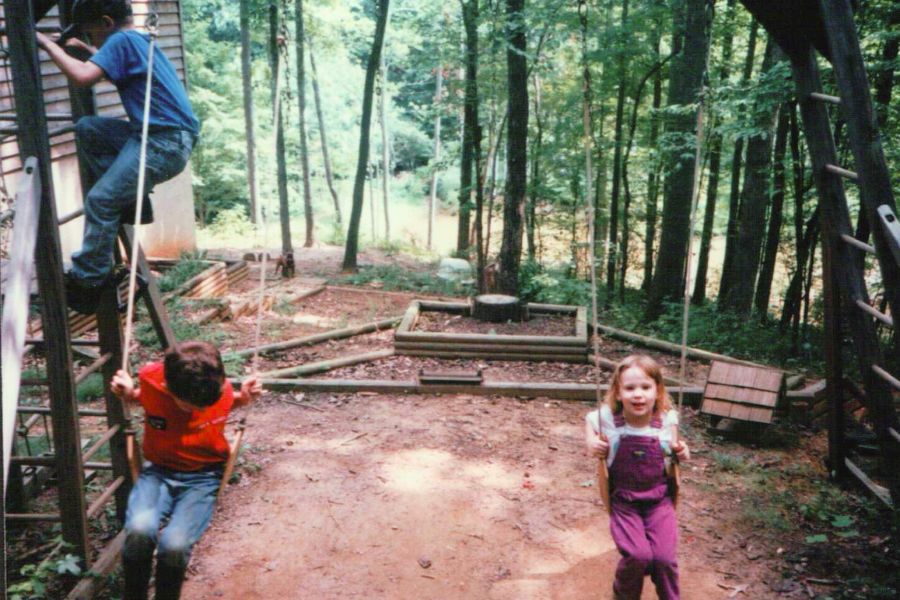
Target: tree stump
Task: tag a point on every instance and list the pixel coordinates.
(497, 308)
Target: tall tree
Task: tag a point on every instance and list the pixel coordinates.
(300, 43)
(737, 157)
(715, 161)
(467, 157)
(277, 44)
(686, 76)
(362, 161)
(612, 258)
(432, 194)
(535, 187)
(653, 170)
(754, 198)
(516, 147)
(326, 160)
(773, 237)
(249, 132)
(470, 23)
(385, 149)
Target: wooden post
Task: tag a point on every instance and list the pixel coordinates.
(155, 305)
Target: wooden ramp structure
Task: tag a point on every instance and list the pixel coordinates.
(743, 393)
(852, 319)
(36, 241)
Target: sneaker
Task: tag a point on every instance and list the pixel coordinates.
(82, 298)
(127, 215)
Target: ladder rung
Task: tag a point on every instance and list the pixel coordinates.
(887, 376)
(61, 130)
(880, 492)
(45, 410)
(894, 434)
(75, 342)
(107, 435)
(824, 98)
(103, 498)
(50, 117)
(886, 319)
(858, 243)
(71, 216)
(25, 427)
(842, 172)
(50, 461)
(93, 367)
(33, 517)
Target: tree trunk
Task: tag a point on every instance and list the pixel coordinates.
(587, 128)
(470, 20)
(362, 162)
(492, 187)
(617, 161)
(432, 195)
(715, 161)
(385, 150)
(754, 200)
(686, 75)
(516, 148)
(326, 161)
(284, 214)
(653, 171)
(884, 80)
(773, 238)
(249, 133)
(734, 196)
(466, 176)
(301, 101)
(535, 170)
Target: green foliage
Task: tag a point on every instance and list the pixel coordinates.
(392, 277)
(90, 389)
(188, 265)
(38, 578)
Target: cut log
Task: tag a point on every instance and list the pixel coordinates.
(492, 348)
(497, 308)
(327, 365)
(510, 356)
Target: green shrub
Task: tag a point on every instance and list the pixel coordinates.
(188, 265)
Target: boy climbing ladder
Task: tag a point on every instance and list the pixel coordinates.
(111, 148)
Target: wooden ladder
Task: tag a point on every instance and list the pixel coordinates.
(69, 458)
(848, 307)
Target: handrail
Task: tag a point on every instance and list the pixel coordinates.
(15, 306)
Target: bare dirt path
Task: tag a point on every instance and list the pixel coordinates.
(445, 497)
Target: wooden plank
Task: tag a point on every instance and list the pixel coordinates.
(16, 299)
(490, 348)
(447, 307)
(309, 340)
(561, 391)
(878, 491)
(409, 318)
(478, 338)
(327, 365)
(717, 371)
(740, 412)
(508, 356)
(581, 329)
(715, 407)
(96, 580)
(560, 309)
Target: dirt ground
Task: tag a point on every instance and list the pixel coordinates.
(453, 497)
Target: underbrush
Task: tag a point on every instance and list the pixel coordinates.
(188, 265)
(392, 277)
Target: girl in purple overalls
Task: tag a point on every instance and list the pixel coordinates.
(634, 431)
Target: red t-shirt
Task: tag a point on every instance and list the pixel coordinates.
(180, 440)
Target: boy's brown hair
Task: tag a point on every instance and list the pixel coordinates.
(653, 371)
(194, 373)
(91, 11)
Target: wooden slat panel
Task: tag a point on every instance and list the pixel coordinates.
(715, 407)
(740, 412)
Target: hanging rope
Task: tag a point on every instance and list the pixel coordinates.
(152, 21)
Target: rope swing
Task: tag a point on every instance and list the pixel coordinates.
(152, 21)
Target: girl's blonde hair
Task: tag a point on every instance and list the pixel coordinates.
(653, 371)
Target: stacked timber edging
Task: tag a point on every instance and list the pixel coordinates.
(549, 348)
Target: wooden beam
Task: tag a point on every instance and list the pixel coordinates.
(498, 355)
(17, 297)
(482, 338)
(560, 391)
(309, 340)
(878, 491)
(96, 580)
(496, 348)
(327, 365)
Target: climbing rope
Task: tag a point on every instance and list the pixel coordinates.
(151, 23)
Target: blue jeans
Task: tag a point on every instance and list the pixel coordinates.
(110, 150)
(187, 500)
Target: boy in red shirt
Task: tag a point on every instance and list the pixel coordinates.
(186, 401)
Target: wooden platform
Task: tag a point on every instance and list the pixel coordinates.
(743, 393)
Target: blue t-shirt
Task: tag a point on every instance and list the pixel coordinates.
(123, 57)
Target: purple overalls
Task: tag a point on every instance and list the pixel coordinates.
(642, 519)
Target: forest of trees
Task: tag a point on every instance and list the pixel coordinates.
(522, 120)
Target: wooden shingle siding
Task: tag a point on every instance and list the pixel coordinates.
(56, 92)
